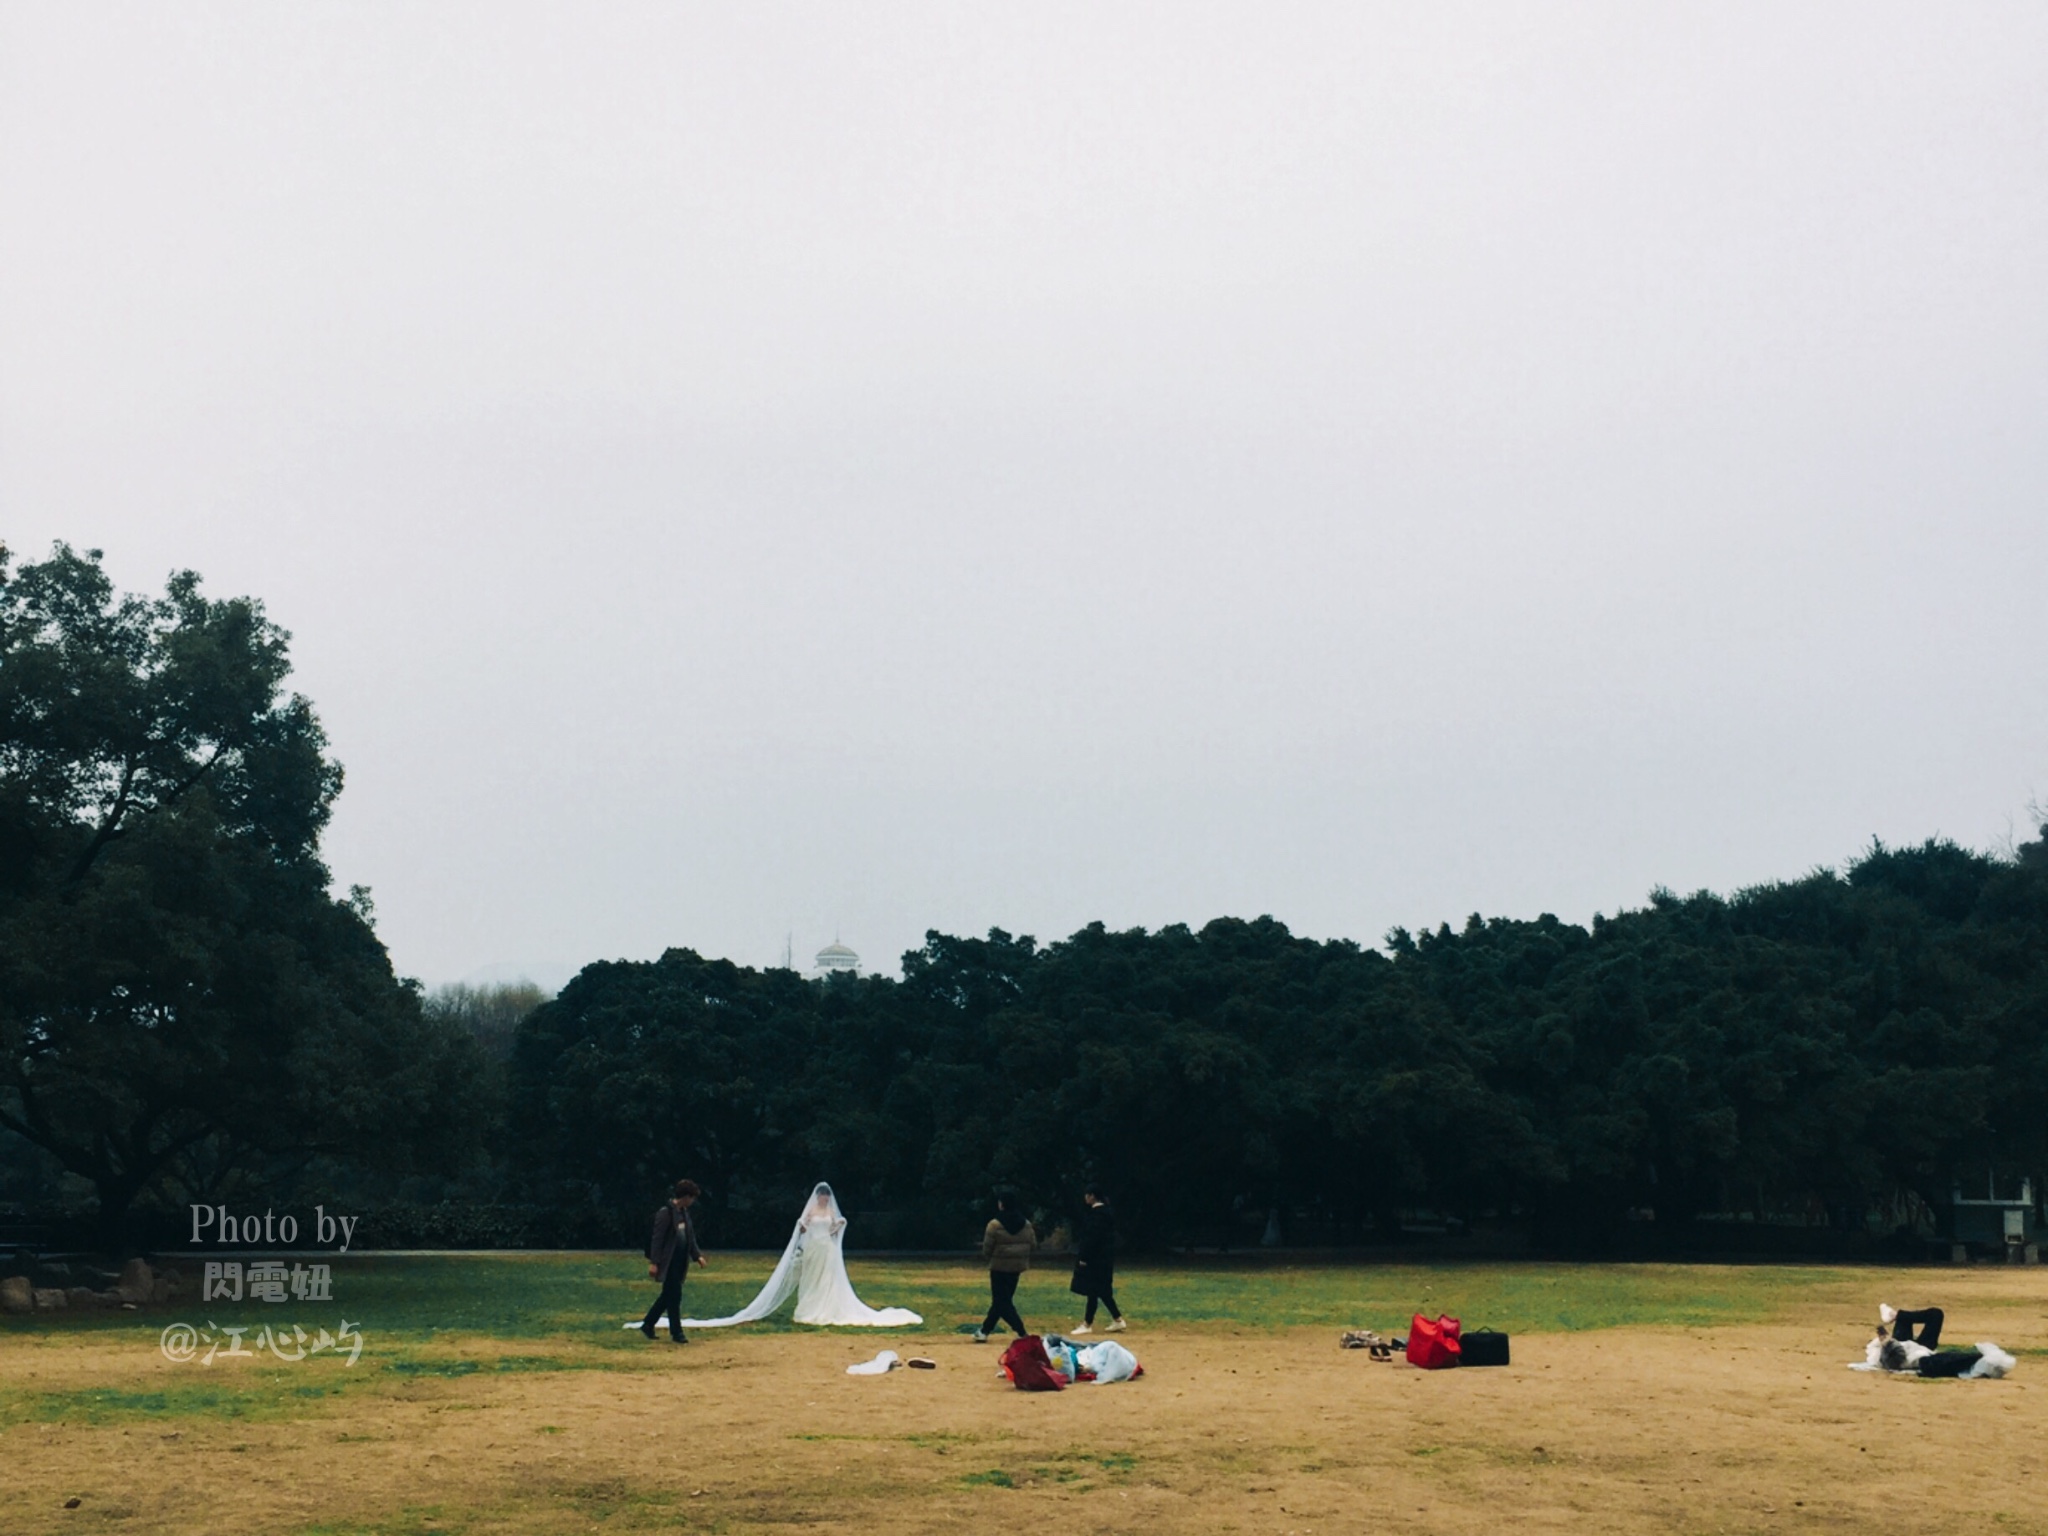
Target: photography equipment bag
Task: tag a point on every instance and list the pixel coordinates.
(1482, 1346)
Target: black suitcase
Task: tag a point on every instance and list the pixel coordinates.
(1484, 1347)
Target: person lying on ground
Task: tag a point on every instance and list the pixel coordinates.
(1906, 1354)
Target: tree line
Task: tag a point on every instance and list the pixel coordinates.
(1839, 1049)
(188, 1011)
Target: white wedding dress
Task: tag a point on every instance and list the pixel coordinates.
(813, 1268)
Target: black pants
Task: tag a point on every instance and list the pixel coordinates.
(1108, 1298)
(1927, 1321)
(1950, 1362)
(1002, 1303)
(670, 1302)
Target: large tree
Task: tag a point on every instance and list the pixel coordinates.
(640, 1073)
(178, 988)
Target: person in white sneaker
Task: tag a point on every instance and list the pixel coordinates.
(1095, 1264)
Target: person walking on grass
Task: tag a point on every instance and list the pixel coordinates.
(1095, 1263)
(1006, 1244)
(670, 1252)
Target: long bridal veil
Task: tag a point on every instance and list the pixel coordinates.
(813, 1269)
(813, 1266)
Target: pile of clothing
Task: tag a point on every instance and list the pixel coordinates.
(1051, 1363)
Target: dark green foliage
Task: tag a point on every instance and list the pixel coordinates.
(182, 1003)
(1820, 1049)
(638, 1070)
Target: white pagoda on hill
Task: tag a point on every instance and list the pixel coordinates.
(834, 958)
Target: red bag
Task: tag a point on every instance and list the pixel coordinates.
(1434, 1346)
(1027, 1364)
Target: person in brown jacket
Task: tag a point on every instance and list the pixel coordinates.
(1007, 1244)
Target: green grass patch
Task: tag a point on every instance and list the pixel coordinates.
(400, 1304)
(1067, 1469)
(1515, 1298)
(238, 1401)
(429, 1520)
(432, 1367)
(516, 1363)
(612, 1497)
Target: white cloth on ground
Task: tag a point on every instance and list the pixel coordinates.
(813, 1269)
(881, 1365)
(1109, 1361)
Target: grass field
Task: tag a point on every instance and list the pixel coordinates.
(499, 1394)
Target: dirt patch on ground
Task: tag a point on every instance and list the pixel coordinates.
(1625, 1430)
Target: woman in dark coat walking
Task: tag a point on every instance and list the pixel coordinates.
(1095, 1263)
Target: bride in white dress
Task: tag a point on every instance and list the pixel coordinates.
(813, 1267)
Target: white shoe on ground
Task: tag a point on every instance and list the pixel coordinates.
(1117, 1326)
(1081, 1332)
(980, 1337)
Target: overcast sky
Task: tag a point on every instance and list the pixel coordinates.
(742, 471)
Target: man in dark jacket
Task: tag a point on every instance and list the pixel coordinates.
(670, 1252)
(1095, 1263)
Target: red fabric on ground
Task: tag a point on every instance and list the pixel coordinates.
(1432, 1346)
(1026, 1364)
